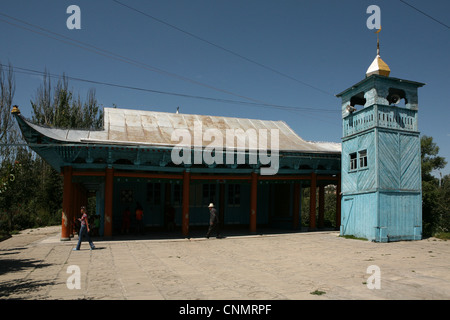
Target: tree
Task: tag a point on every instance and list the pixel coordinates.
(8, 127)
(443, 206)
(430, 159)
(31, 190)
(431, 192)
(57, 107)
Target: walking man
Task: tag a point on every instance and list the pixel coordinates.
(213, 221)
(84, 230)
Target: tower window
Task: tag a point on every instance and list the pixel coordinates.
(363, 159)
(396, 96)
(358, 100)
(358, 160)
(353, 161)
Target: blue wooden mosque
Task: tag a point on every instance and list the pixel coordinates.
(381, 162)
(376, 169)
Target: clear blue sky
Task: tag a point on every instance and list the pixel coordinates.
(324, 44)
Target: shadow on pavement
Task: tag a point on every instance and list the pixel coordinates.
(15, 265)
(21, 287)
(199, 232)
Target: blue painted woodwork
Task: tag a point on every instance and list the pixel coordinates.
(96, 157)
(381, 163)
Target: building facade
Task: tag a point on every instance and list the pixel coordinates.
(252, 170)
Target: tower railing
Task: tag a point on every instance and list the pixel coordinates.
(380, 116)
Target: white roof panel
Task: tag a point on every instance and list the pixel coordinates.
(126, 126)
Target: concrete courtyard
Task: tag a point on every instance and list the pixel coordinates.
(36, 265)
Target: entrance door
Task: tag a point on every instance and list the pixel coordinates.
(347, 211)
(281, 210)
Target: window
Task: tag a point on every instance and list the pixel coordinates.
(154, 193)
(358, 160)
(201, 195)
(234, 195)
(195, 195)
(363, 159)
(353, 161)
(209, 194)
(126, 196)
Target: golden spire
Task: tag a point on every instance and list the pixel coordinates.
(15, 110)
(378, 66)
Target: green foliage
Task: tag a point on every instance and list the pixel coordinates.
(30, 190)
(57, 107)
(442, 235)
(435, 194)
(329, 207)
(442, 208)
(32, 195)
(317, 292)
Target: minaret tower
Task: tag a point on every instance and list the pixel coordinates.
(381, 163)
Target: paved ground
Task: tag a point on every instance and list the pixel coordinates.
(34, 265)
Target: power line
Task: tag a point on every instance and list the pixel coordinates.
(253, 104)
(85, 46)
(425, 14)
(223, 48)
(109, 54)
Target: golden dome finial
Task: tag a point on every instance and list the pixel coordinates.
(15, 109)
(378, 66)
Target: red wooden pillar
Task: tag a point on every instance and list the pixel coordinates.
(253, 202)
(109, 187)
(312, 203)
(338, 202)
(296, 206)
(321, 206)
(66, 220)
(185, 205)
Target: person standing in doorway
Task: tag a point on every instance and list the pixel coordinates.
(84, 230)
(139, 218)
(213, 221)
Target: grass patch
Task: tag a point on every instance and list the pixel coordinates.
(349, 236)
(318, 292)
(442, 235)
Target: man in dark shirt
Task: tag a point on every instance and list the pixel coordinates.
(213, 221)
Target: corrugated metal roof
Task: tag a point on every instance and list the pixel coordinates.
(131, 127)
